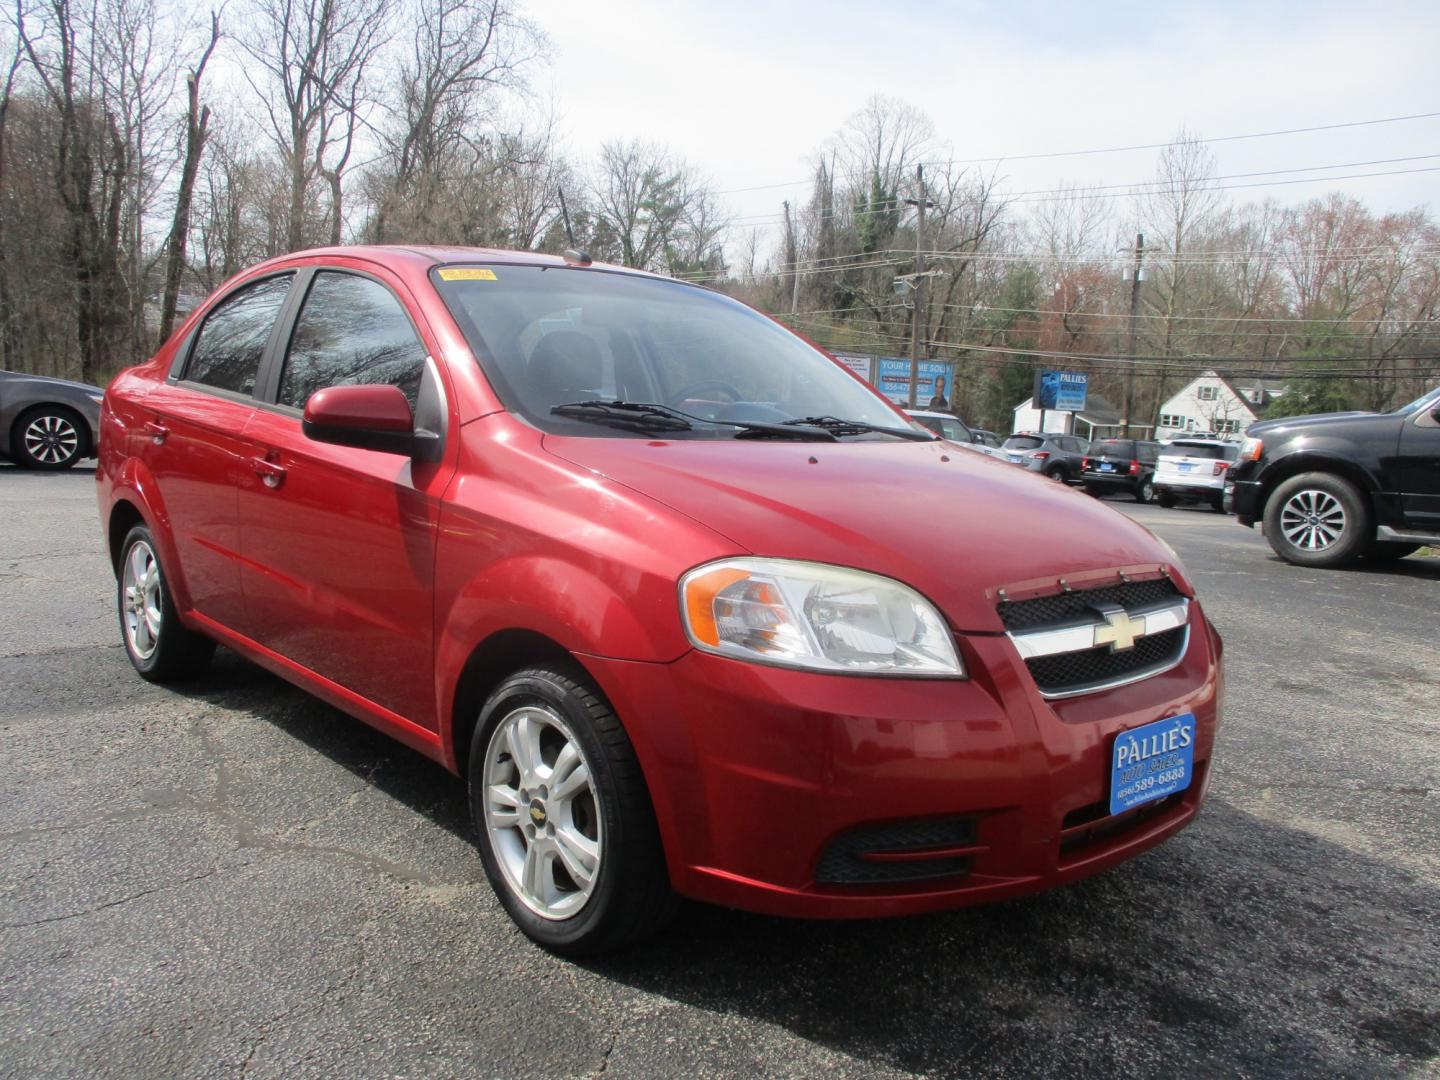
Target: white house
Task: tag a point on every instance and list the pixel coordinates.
(1098, 419)
(1212, 403)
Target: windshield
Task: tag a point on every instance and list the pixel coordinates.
(1023, 442)
(1420, 402)
(549, 336)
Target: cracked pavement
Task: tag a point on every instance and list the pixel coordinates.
(230, 878)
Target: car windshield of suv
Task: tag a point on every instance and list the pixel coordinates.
(553, 335)
(1212, 451)
(1023, 442)
(1431, 397)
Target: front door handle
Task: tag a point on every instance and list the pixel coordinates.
(157, 432)
(269, 472)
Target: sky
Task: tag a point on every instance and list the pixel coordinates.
(748, 90)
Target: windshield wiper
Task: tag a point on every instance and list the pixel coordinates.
(860, 427)
(652, 416)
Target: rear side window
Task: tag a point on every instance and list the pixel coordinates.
(227, 353)
(351, 330)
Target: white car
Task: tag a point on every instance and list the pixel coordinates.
(952, 428)
(1194, 470)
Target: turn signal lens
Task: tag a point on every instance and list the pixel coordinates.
(1251, 449)
(815, 616)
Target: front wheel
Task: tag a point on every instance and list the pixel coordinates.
(567, 833)
(1318, 519)
(49, 437)
(158, 644)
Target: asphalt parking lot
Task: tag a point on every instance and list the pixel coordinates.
(232, 878)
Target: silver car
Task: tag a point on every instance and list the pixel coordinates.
(952, 428)
(48, 423)
(1060, 457)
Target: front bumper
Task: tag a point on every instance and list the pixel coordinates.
(1245, 501)
(757, 774)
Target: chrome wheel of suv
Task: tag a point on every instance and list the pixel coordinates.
(1312, 520)
(541, 812)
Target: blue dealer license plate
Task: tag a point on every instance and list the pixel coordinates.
(1014, 459)
(1105, 466)
(1151, 762)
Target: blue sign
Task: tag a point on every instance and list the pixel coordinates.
(1151, 762)
(933, 380)
(1062, 390)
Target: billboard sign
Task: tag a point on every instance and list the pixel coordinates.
(894, 381)
(860, 365)
(1061, 390)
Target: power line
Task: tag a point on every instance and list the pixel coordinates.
(1121, 149)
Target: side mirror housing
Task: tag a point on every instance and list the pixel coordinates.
(371, 417)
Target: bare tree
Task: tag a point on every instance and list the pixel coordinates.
(197, 131)
(316, 54)
(642, 194)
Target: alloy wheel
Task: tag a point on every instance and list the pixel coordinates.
(541, 812)
(141, 597)
(51, 439)
(1312, 520)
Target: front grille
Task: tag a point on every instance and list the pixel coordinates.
(843, 861)
(1070, 671)
(1072, 606)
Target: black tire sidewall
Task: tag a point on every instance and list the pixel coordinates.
(179, 651)
(1353, 541)
(23, 457)
(586, 930)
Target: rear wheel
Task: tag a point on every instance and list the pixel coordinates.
(567, 834)
(1167, 501)
(49, 437)
(1145, 491)
(1059, 474)
(160, 647)
(1318, 519)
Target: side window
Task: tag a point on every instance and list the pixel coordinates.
(227, 352)
(351, 330)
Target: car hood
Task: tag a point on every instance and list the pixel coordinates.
(1317, 420)
(956, 526)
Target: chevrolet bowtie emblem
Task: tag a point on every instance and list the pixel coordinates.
(1119, 630)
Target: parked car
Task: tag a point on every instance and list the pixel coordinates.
(951, 427)
(692, 610)
(1339, 487)
(1057, 456)
(986, 438)
(1121, 465)
(1194, 470)
(48, 423)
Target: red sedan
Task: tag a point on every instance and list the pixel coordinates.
(691, 607)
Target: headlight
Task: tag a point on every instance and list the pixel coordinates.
(814, 616)
(1251, 449)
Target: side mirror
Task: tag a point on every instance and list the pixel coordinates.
(370, 417)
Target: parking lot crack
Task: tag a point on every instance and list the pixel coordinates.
(168, 886)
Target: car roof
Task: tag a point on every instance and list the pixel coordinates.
(421, 257)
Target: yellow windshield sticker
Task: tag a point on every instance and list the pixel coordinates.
(467, 273)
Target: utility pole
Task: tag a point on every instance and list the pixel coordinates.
(1134, 323)
(921, 204)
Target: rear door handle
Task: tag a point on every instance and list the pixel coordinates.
(157, 432)
(271, 473)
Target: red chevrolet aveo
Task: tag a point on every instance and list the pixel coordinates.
(693, 610)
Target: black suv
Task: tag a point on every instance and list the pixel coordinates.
(1334, 488)
(1125, 465)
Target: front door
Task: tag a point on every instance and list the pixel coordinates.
(339, 542)
(1420, 469)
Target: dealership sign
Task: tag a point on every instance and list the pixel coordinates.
(1062, 390)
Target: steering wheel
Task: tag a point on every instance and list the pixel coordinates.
(684, 393)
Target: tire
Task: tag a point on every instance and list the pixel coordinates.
(158, 644)
(49, 438)
(1327, 518)
(1385, 551)
(1093, 492)
(1218, 504)
(543, 714)
(1145, 491)
(1059, 474)
(1165, 501)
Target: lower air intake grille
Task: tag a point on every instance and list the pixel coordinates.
(1071, 671)
(843, 861)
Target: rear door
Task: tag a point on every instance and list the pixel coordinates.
(193, 446)
(339, 544)
(1419, 469)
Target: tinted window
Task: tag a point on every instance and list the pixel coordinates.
(1022, 442)
(227, 352)
(351, 330)
(1196, 450)
(1113, 448)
